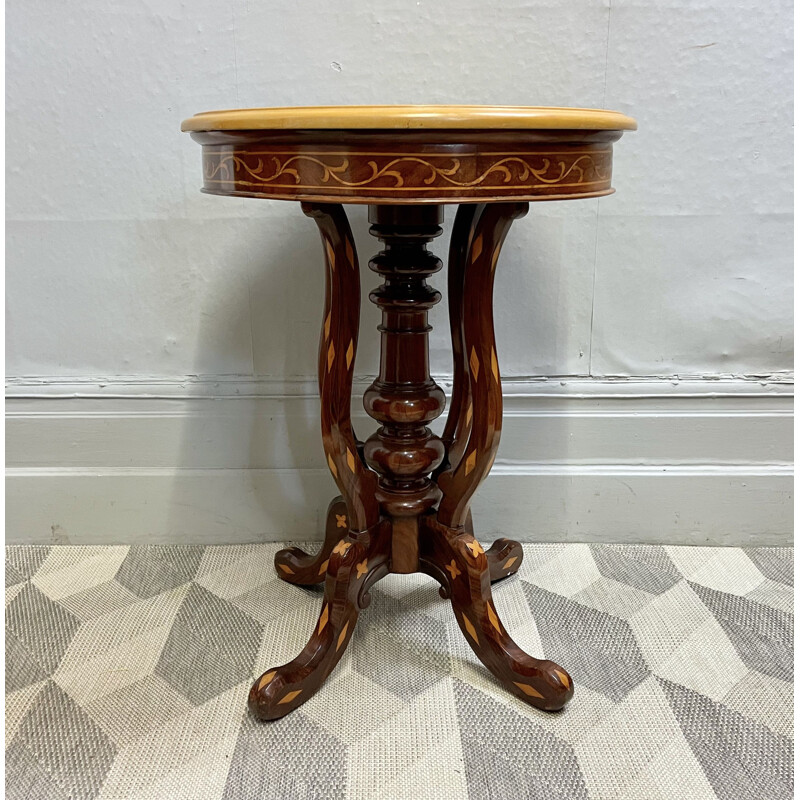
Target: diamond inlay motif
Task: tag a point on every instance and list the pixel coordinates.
(349, 354)
(348, 250)
(474, 364)
(470, 627)
(266, 678)
(469, 464)
(331, 355)
(327, 326)
(332, 467)
(323, 619)
(331, 256)
(351, 462)
(477, 247)
(493, 617)
(529, 690)
(495, 369)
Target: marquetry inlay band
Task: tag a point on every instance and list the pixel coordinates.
(279, 170)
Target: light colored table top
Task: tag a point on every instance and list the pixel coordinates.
(414, 117)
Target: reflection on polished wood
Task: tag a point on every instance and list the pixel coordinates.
(405, 493)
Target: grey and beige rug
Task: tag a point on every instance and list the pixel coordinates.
(127, 670)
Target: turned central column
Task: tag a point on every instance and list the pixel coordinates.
(404, 398)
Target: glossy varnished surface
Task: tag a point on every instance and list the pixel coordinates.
(409, 117)
(408, 154)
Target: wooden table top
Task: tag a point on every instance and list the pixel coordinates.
(417, 117)
(381, 155)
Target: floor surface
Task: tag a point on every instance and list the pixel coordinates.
(127, 671)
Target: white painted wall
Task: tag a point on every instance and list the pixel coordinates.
(121, 276)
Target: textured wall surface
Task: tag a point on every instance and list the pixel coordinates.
(117, 265)
(162, 343)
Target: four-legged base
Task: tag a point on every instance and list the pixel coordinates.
(350, 565)
(405, 491)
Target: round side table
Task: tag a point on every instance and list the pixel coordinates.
(405, 492)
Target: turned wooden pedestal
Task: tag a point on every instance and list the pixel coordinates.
(405, 493)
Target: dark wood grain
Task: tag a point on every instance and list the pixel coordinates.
(408, 167)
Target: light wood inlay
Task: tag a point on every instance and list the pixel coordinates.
(453, 569)
(469, 463)
(495, 369)
(477, 247)
(323, 567)
(474, 364)
(351, 462)
(342, 636)
(287, 569)
(469, 414)
(470, 627)
(475, 548)
(323, 619)
(332, 467)
(510, 562)
(327, 326)
(493, 617)
(289, 696)
(361, 568)
(342, 547)
(349, 354)
(348, 250)
(266, 678)
(529, 690)
(563, 678)
(331, 256)
(331, 355)
(341, 520)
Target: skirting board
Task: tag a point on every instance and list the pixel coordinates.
(229, 460)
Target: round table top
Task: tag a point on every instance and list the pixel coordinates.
(415, 117)
(408, 154)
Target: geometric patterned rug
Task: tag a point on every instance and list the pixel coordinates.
(127, 672)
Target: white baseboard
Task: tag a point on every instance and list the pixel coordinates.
(683, 461)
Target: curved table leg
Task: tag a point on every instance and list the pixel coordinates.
(296, 566)
(357, 562)
(458, 561)
(472, 432)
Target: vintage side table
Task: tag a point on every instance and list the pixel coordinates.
(405, 492)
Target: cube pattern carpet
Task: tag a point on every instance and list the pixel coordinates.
(127, 672)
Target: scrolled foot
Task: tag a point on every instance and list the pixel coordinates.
(296, 566)
(464, 566)
(504, 557)
(356, 562)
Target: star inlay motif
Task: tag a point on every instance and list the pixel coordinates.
(342, 547)
(475, 548)
(453, 569)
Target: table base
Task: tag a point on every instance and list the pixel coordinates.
(405, 492)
